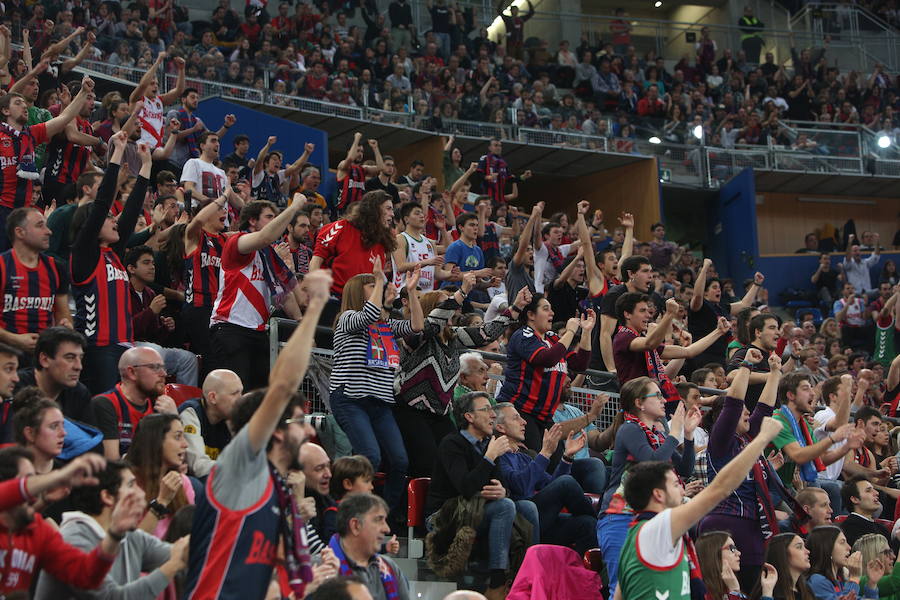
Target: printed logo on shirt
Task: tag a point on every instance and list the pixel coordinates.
(262, 552)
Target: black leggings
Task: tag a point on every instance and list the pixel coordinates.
(422, 433)
(244, 351)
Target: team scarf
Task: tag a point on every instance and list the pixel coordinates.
(657, 372)
(808, 470)
(654, 438)
(556, 257)
(863, 458)
(280, 279)
(297, 560)
(388, 580)
(698, 588)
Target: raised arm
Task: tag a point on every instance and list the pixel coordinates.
(700, 286)
(463, 178)
(723, 326)
(172, 96)
(728, 479)
(290, 367)
(658, 334)
(750, 297)
(378, 168)
(82, 54)
(138, 92)
(344, 165)
(298, 164)
(19, 85)
(271, 232)
(528, 233)
(627, 221)
(261, 157)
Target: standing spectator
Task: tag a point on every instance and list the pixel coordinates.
(246, 492)
(826, 279)
(35, 286)
(298, 241)
(537, 363)
(352, 174)
(400, 13)
(856, 269)
(99, 279)
(188, 137)
(383, 181)
(140, 392)
(253, 279)
(60, 220)
(465, 254)
(764, 334)
(207, 420)
(440, 24)
(515, 28)
(151, 114)
(202, 178)
(662, 251)
(364, 368)
(415, 174)
(494, 173)
(414, 249)
(269, 181)
(638, 276)
(751, 40)
(620, 29)
(850, 312)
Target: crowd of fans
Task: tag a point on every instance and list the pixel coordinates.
(453, 70)
(137, 256)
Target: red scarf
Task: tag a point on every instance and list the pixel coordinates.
(657, 372)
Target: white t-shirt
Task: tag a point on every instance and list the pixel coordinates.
(820, 420)
(655, 541)
(701, 438)
(208, 179)
(544, 271)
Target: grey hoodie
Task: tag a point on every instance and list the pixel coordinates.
(139, 553)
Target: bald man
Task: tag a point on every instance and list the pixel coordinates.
(140, 392)
(206, 420)
(464, 595)
(317, 470)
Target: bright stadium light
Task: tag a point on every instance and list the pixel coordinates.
(698, 132)
(884, 141)
(657, 4)
(655, 140)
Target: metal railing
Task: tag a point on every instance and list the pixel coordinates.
(315, 384)
(850, 22)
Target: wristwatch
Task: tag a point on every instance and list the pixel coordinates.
(159, 509)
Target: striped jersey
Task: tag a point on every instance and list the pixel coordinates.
(29, 294)
(66, 161)
(17, 155)
(103, 302)
(351, 187)
(243, 297)
(201, 270)
(495, 166)
(534, 390)
(151, 119)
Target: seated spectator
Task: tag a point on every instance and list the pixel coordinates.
(206, 420)
(588, 471)
(361, 530)
(835, 572)
(24, 531)
(873, 547)
(351, 475)
(720, 562)
(148, 565)
(317, 474)
(57, 366)
(862, 461)
(860, 498)
(815, 502)
(467, 466)
(526, 474)
(836, 394)
(141, 392)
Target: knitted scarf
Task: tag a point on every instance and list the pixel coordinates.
(764, 477)
(698, 588)
(657, 372)
(279, 278)
(297, 561)
(388, 580)
(808, 470)
(654, 438)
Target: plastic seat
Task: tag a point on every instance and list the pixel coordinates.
(815, 312)
(181, 393)
(417, 491)
(839, 519)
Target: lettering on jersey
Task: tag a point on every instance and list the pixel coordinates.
(12, 303)
(360, 185)
(21, 560)
(114, 274)
(8, 161)
(257, 273)
(206, 260)
(262, 552)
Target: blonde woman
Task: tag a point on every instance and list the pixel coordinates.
(872, 546)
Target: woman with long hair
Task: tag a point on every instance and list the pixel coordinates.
(889, 273)
(740, 512)
(874, 546)
(157, 456)
(537, 362)
(835, 571)
(830, 329)
(365, 364)
(742, 335)
(38, 425)
(787, 555)
(720, 561)
(640, 438)
(429, 370)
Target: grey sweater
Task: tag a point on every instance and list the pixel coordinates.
(139, 553)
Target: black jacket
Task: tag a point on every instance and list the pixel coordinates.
(461, 470)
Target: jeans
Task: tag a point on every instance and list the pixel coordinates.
(611, 533)
(179, 362)
(443, 40)
(833, 488)
(101, 367)
(590, 473)
(578, 529)
(529, 510)
(497, 525)
(370, 426)
(401, 38)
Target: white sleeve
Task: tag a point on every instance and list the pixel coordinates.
(191, 172)
(257, 179)
(654, 541)
(564, 249)
(198, 462)
(821, 419)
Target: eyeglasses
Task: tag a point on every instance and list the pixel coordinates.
(157, 367)
(657, 395)
(483, 409)
(730, 547)
(298, 421)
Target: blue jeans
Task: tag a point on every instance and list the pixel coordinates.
(591, 474)
(370, 426)
(497, 525)
(611, 532)
(529, 510)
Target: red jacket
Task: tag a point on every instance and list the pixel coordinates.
(40, 546)
(146, 323)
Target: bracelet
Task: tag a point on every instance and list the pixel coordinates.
(567, 459)
(748, 364)
(159, 509)
(116, 537)
(515, 308)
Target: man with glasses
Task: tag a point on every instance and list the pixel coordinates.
(141, 392)
(468, 465)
